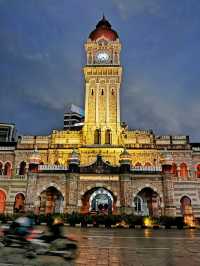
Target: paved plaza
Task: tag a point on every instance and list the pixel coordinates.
(139, 247)
(128, 247)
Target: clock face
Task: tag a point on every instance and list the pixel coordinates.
(102, 57)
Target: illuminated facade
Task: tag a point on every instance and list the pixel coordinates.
(103, 167)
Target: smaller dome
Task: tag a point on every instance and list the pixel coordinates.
(35, 157)
(125, 157)
(74, 158)
(103, 29)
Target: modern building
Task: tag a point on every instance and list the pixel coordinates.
(103, 166)
(73, 118)
(7, 132)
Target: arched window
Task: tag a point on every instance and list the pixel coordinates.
(147, 164)
(183, 170)
(19, 203)
(1, 168)
(2, 201)
(97, 136)
(115, 58)
(57, 162)
(138, 204)
(92, 92)
(174, 169)
(138, 164)
(50, 201)
(166, 168)
(108, 136)
(185, 204)
(102, 92)
(89, 59)
(112, 92)
(22, 168)
(7, 169)
(198, 170)
(33, 168)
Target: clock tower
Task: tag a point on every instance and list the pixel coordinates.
(102, 86)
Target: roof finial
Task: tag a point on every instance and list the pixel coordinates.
(104, 18)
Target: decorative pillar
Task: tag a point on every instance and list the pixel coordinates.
(107, 104)
(97, 105)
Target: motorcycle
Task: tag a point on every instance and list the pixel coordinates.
(14, 235)
(35, 242)
(65, 247)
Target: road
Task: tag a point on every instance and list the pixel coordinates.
(128, 247)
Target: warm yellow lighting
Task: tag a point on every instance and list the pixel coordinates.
(192, 225)
(147, 222)
(189, 220)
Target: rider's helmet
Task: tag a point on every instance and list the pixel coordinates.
(58, 220)
(24, 221)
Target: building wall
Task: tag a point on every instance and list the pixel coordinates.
(12, 187)
(102, 111)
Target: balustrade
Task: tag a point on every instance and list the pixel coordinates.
(6, 178)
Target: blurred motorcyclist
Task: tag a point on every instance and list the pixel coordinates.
(23, 225)
(18, 230)
(55, 229)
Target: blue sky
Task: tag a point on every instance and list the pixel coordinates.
(42, 55)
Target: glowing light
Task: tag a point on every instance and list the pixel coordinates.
(147, 222)
(189, 220)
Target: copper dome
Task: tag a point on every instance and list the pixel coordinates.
(103, 28)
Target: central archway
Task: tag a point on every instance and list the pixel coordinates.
(98, 200)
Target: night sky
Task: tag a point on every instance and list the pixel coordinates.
(42, 55)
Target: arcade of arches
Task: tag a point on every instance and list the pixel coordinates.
(98, 200)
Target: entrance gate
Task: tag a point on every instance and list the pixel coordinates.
(98, 200)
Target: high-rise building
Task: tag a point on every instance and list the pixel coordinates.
(7, 132)
(73, 118)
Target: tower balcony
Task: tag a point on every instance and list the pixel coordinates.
(146, 169)
(52, 168)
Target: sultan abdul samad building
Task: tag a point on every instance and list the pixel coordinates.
(103, 166)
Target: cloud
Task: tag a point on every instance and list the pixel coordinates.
(36, 56)
(143, 107)
(137, 7)
(41, 52)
